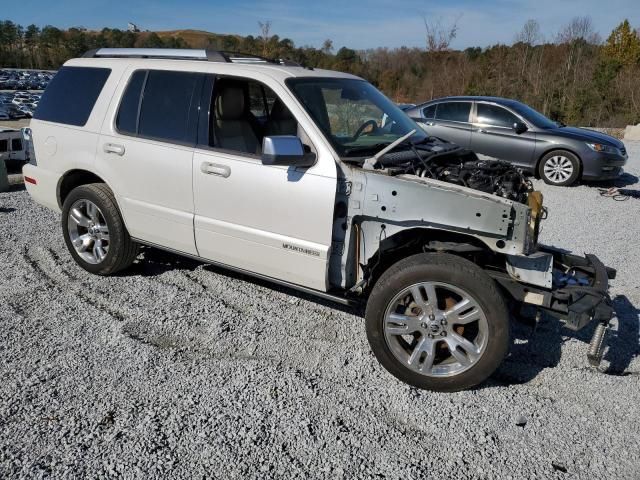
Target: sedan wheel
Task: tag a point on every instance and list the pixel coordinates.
(559, 168)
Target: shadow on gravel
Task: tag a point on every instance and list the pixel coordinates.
(624, 180)
(156, 262)
(538, 347)
(7, 209)
(16, 187)
(534, 348)
(624, 343)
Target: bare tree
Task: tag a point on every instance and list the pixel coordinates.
(265, 36)
(525, 40)
(327, 46)
(439, 36)
(530, 33)
(579, 28)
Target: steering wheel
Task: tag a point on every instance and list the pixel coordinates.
(361, 128)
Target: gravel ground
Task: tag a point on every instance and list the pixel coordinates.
(176, 369)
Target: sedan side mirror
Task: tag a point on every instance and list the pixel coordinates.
(520, 127)
(286, 150)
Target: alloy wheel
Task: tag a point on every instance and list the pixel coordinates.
(436, 329)
(88, 231)
(558, 169)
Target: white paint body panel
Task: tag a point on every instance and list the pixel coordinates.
(271, 220)
(268, 220)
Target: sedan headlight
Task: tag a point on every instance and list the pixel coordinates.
(599, 147)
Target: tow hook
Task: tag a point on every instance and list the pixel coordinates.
(596, 346)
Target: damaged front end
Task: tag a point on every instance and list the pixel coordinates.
(447, 162)
(438, 197)
(570, 287)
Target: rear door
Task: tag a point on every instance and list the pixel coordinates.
(145, 154)
(452, 122)
(493, 135)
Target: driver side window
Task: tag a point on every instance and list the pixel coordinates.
(243, 112)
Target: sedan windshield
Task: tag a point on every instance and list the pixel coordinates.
(356, 118)
(535, 117)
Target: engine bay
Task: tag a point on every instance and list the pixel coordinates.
(450, 163)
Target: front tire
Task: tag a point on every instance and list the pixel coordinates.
(437, 322)
(560, 168)
(94, 231)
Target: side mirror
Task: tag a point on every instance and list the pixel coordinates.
(520, 127)
(286, 150)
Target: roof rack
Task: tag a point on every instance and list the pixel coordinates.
(186, 54)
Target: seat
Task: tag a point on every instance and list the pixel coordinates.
(281, 122)
(233, 126)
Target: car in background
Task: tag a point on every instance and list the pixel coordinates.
(13, 150)
(405, 106)
(510, 130)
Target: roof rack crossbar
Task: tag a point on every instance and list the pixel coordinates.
(185, 54)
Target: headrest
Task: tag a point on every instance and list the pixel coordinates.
(280, 112)
(230, 103)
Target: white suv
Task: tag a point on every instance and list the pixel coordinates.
(308, 178)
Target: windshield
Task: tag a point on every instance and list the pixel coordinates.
(356, 118)
(535, 117)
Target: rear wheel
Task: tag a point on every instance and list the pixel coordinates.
(560, 168)
(438, 322)
(94, 231)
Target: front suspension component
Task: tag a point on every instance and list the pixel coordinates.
(596, 347)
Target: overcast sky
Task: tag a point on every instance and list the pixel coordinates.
(357, 24)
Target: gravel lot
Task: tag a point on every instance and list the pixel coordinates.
(176, 369)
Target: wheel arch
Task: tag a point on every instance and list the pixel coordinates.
(416, 240)
(72, 179)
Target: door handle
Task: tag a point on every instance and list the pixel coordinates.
(431, 124)
(215, 169)
(482, 130)
(113, 148)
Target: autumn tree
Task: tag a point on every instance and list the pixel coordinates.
(623, 45)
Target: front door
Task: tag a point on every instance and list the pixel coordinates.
(271, 220)
(493, 135)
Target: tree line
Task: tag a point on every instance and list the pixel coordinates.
(575, 77)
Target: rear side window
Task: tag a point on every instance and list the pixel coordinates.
(127, 119)
(16, 144)
(161, 105)
(71, 95)
(4, 145)
(429, 112)
(454, 111)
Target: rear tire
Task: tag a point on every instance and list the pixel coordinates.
(560, 168)
(94, 231)
(454, 339)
